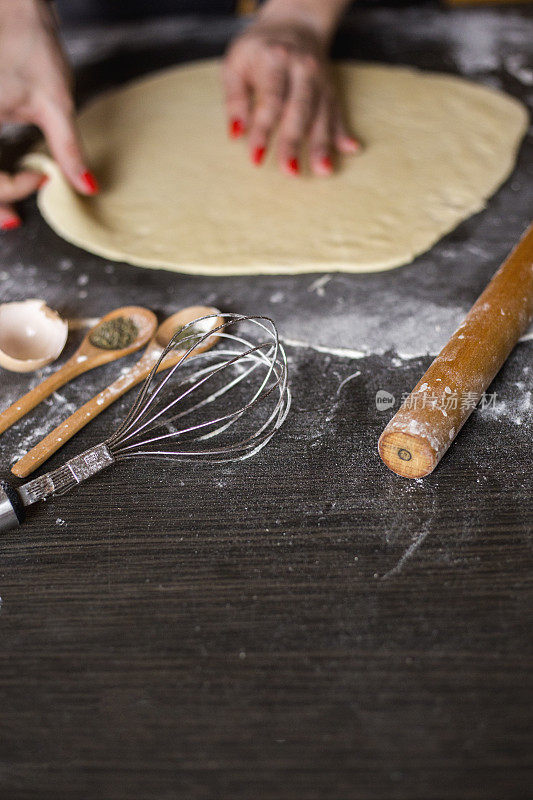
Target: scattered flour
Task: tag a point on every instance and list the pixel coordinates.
(515, 65)
(516, 408)
(319, 284)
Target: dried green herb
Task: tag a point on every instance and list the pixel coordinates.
(182, 342)
(114, 334)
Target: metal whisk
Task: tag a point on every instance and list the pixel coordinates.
(173, 415)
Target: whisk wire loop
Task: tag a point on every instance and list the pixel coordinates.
(140, 407)
(150, 414)
(196, 386)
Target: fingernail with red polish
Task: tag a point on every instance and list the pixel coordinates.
(293, 166)
(10, 224)
(258, 155)
(327, 163)
(236, 128)
(90, 182)
(42, 182)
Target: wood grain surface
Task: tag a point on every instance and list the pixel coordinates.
(305, 625)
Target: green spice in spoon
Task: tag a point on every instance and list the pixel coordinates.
(183, 342)
(114, 334)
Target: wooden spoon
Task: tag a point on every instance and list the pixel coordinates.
(57, 438)
(86, 357)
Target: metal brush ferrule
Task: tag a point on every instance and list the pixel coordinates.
(60, 480)
(11, 507)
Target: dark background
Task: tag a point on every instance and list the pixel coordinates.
(305, 625)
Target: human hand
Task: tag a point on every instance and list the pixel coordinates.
(35, 89)
(276, 75)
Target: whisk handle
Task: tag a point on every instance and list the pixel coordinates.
(13, 502)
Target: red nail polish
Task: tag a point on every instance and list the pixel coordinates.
(293, 166)
(327, 163)
(42, 182)
(258, 155)
(90, 182)
(236, 128)
(10, 224)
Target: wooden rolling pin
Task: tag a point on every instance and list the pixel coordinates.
(428, 421)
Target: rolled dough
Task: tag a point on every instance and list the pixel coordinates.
(177, 194)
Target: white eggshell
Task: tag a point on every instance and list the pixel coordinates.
(31, 335)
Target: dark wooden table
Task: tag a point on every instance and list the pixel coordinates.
(306, 625)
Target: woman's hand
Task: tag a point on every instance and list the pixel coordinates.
(35, 89)
(276, 76)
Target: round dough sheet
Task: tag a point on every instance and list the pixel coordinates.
(176, 193)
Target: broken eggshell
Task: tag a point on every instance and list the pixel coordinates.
(31, 335)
